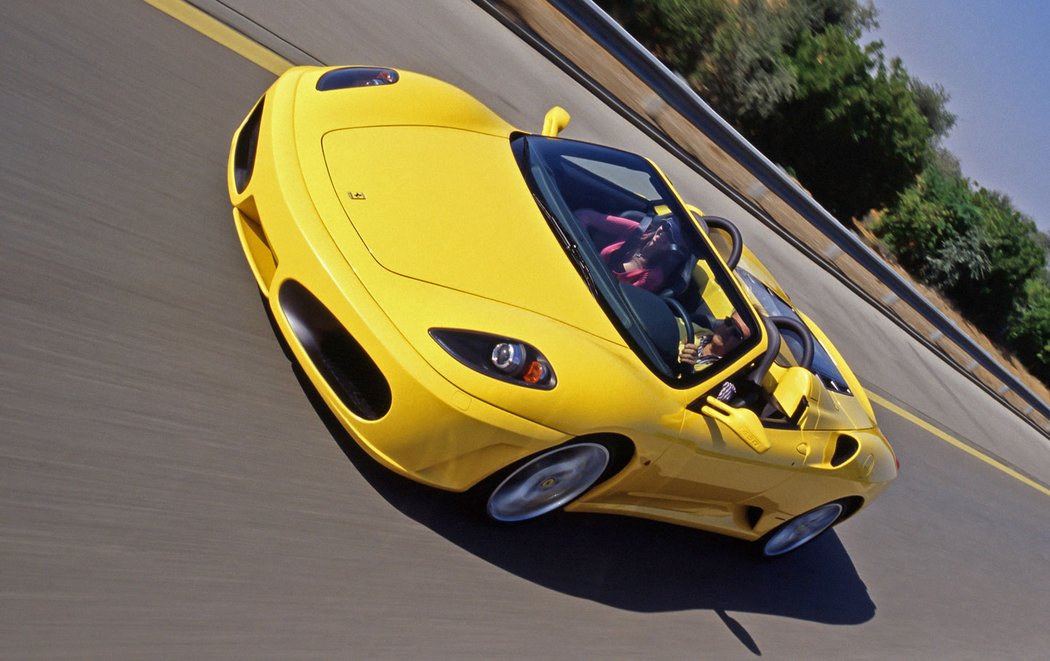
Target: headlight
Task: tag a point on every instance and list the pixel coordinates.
(350, 77)
(501, 358)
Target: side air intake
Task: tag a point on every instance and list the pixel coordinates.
(344, 364)
(846, 448)
(244, 153)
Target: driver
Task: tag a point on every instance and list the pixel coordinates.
(712, 345)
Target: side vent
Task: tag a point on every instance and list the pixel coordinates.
(341, 360)
(752, 515)
(846, 448)
(244, 153)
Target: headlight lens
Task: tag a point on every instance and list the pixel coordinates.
(350, 77)
(508, 357)
(500, 357)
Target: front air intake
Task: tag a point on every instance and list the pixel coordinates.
(341, 360)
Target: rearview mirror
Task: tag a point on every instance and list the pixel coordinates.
(793, 391)
(555, 121)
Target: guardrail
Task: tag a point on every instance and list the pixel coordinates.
(767, 193)
(841, 250)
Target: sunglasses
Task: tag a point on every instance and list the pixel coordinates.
(734, 330)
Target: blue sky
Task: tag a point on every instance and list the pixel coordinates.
(993, 58)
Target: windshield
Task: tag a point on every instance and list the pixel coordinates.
(641, 254)
(823, 366)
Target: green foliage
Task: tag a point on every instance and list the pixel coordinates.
(746, 71)
(927, 216)
(679, 32)
(850, 15)
(731, 53)
(945, 161)
(932, 101)
(963, 258)
(972, 245)
(1043, 239)
(853, 132)
(792, 77)
(1030, 327)
(1014, 254)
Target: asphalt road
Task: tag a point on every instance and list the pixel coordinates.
(168, 489)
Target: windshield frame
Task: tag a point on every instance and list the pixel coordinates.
(532, 153)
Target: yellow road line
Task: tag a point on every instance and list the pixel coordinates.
(223, 34)
(918, 422)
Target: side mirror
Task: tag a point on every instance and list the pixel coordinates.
(555, 121)
(743, 422)
(793, 392)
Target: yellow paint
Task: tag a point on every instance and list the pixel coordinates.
(556, 120)
(222, 34)
(944, 436)
(401, 208)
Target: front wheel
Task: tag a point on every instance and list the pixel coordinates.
(548, 481)
(800, 530)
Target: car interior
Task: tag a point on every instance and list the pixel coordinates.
(692, 298)
(696, 302)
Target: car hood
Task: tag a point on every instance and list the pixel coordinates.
(450, 207)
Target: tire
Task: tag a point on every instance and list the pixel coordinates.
(547, 481)
(803, 529)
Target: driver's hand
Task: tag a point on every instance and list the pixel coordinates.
(688, 355)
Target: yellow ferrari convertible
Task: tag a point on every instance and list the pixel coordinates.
(539, 320)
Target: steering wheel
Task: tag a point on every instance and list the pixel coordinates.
(773, 325)
(679, 311)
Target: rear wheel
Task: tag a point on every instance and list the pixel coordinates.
(549, 480)
(801, 530)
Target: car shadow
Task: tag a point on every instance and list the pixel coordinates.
(628, 563)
